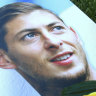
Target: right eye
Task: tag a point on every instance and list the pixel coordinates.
(30, 36)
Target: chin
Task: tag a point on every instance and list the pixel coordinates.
(76, 73)
(71, 79)
(66, 80)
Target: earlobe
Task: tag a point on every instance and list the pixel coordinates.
(5, 62)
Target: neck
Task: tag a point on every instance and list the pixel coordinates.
(54, 87)
(51, 87)
(46, 87)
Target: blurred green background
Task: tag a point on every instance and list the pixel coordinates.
(88, 7)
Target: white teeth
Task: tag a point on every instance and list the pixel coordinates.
(63, 57)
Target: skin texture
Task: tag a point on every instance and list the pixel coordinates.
(35, 38)
(33, 53)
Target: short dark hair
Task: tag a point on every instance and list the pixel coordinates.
(10, 11)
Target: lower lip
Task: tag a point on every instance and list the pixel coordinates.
(64, 62)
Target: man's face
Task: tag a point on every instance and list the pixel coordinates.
(40, 44)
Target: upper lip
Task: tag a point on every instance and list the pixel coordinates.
(62, 54)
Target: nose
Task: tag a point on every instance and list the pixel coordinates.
(52, 44)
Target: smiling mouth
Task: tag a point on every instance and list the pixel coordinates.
(62, 59)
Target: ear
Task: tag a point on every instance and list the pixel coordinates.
(76, 35)
(74, 32)
(5, 61)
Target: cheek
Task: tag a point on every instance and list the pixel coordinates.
(34, 48)
(26, 53)
(30, 49)
(69, 37)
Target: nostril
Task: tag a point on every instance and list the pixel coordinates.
(51, 47)
(61, 43)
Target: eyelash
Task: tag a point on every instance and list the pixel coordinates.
(54, 28)
(60, 27)
(29, 34)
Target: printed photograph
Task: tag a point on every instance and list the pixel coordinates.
(47, 48)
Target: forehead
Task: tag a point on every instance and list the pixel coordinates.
(35, 18)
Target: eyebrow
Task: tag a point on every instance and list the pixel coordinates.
(34, 29)
(52, 24)
(25, 30)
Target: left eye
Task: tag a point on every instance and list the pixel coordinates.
(57, 28)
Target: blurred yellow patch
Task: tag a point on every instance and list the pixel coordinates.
(91, 94)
